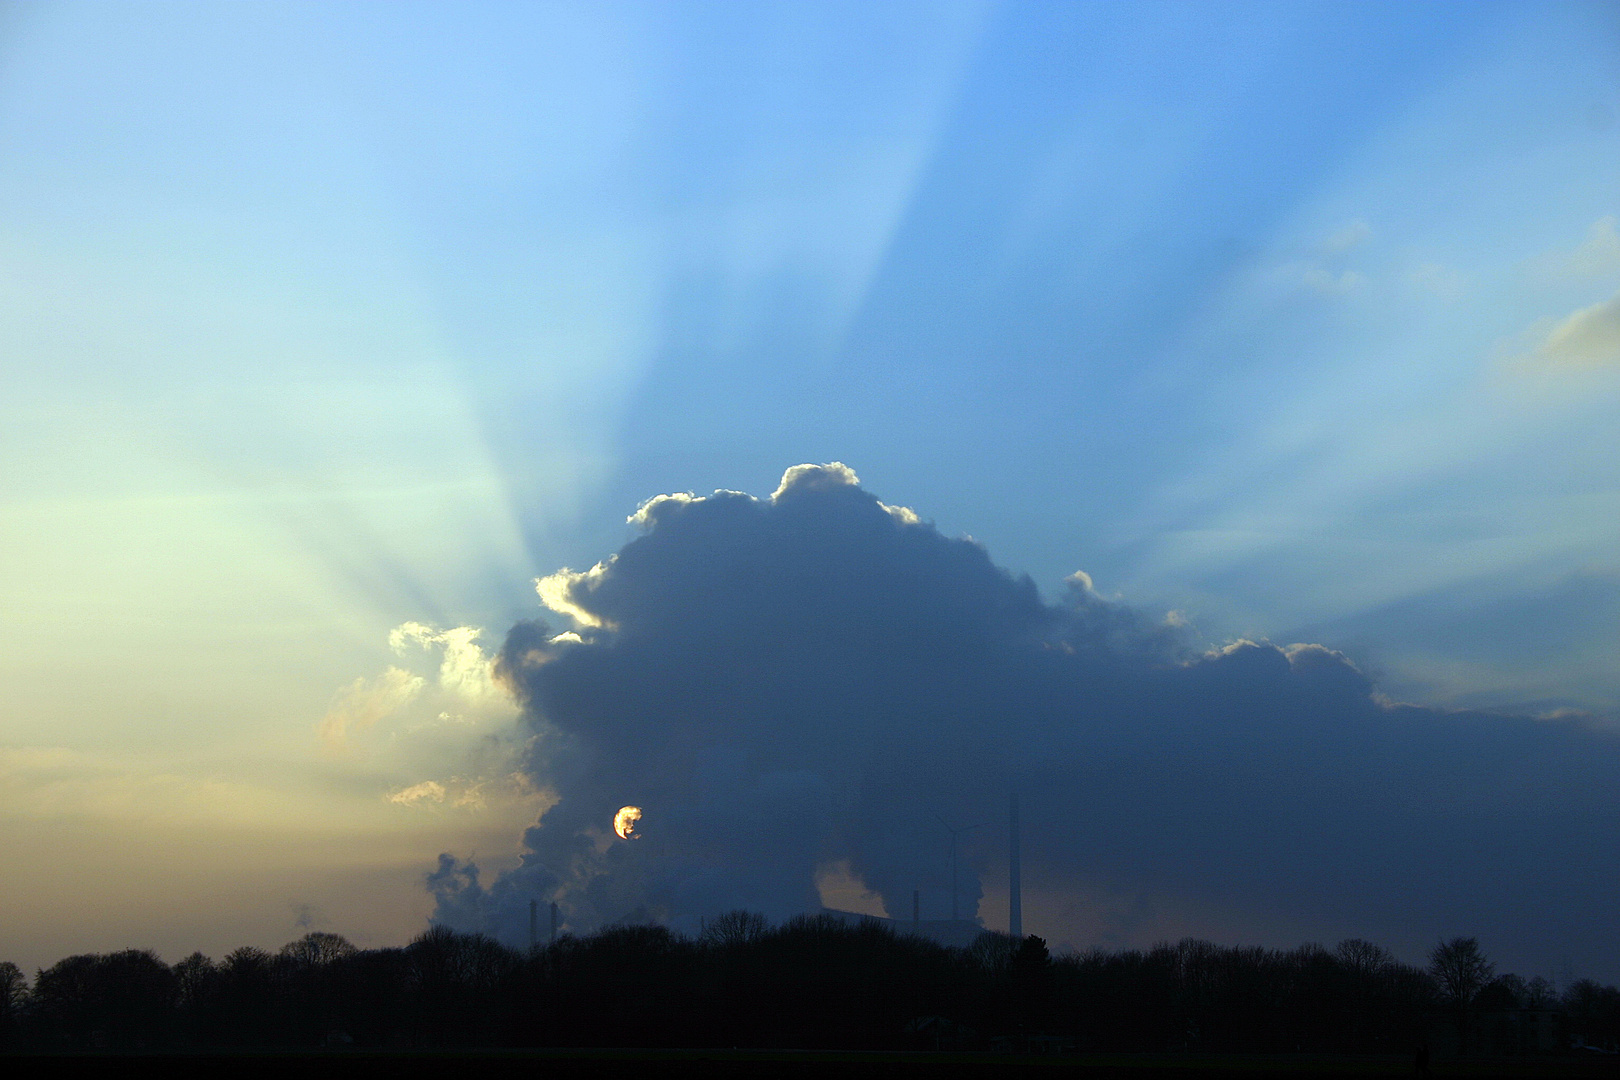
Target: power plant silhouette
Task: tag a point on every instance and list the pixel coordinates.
(956, 931)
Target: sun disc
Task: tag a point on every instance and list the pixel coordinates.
(624, 822)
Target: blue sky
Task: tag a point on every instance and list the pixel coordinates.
(1300, 321)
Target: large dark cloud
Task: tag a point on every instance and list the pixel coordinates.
(788, 682)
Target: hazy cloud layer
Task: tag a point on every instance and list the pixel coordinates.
(802, 682)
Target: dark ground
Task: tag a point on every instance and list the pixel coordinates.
(723, 1064)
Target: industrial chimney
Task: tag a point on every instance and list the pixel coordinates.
(1015, 895)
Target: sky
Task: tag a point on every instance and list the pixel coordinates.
(328, 330)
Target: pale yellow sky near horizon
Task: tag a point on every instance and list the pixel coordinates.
(175, 635)
(329, 821)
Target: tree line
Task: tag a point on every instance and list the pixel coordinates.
(812, 982)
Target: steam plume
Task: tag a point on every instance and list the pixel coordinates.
(788, 683)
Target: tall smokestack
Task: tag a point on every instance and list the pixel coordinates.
(1015, 891)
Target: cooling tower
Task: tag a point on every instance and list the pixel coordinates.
(1015, 893)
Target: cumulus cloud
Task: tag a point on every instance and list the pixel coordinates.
(557, 590)
(446, 735)
(802, 682)
(464, 669)
(803, 479)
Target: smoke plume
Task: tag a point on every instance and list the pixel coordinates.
(815, 679)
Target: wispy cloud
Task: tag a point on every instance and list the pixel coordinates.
(58, 783)
(426, 791)
(1324, 266)
(1351, 234)
(1586, 339)
(360, 705)
(1597, 255)
(475, 793)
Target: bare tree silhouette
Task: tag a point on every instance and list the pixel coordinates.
(735, 928)
(317, 949)
(1461, 972)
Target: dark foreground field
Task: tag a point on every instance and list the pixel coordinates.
(569, 1064)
